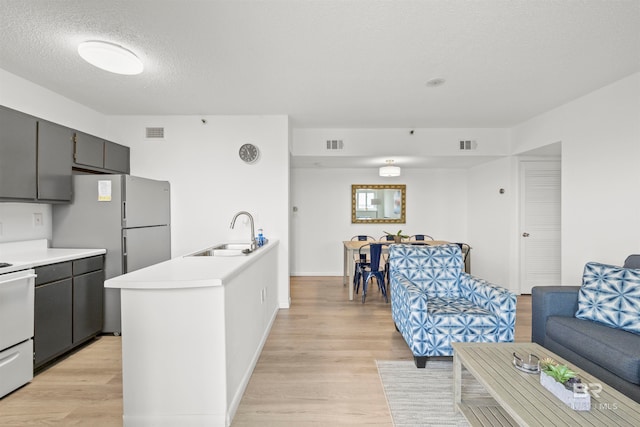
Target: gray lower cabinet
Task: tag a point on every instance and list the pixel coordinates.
(17, 155)
(68, 306)
(88, 297)
(53, 312)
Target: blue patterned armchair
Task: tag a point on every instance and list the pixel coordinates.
(434, 302)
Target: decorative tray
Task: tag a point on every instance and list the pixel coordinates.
(531, 366)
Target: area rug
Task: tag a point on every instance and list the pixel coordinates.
(424, 397)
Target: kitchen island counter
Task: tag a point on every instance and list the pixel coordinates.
(190, 271)
(193, 329)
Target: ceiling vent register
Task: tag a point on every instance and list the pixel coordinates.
(155, 133)
(468, 145)
(335, 144)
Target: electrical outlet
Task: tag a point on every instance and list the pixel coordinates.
(37, 219)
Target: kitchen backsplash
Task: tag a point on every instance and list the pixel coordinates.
(24, 221)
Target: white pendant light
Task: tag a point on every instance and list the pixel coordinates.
(390, 170)
(110, 57)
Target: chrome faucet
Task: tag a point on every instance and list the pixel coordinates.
(254, 244)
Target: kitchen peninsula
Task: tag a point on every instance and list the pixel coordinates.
(192, 331)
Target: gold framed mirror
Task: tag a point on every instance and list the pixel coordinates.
(378, 203)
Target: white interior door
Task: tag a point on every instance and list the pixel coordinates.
(539, 224)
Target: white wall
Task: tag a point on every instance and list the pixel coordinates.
(16, 222)
(600, 136)
(22, 95)
(436, 205)
(209, 183)
(492, 217)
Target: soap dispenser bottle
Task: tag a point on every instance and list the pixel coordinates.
(260, 237)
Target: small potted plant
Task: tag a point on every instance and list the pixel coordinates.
(564, 384)
(397, 238)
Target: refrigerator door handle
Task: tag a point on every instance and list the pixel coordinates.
(124, 254)
(124, 213)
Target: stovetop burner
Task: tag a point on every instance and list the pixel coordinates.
(5, 264)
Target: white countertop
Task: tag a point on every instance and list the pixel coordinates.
(34, 253)
(189, 271)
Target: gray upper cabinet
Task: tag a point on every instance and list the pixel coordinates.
(116, 157)
(96, 154)
(17, 155)
(37, 158)
(88, 151)
(55, 147)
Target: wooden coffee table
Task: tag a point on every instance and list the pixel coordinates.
(520, 400)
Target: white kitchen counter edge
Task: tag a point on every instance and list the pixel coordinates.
(35, 253)
(189, 271)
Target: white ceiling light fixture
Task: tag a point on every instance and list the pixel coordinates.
(389, 169)
(110, 57)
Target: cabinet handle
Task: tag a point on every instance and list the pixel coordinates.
(75, 147)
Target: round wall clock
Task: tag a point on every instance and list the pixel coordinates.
(249, 153)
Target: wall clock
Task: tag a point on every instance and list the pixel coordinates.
(249, 153)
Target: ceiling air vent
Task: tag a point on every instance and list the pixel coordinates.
(155, 133)
(469, 144)
(334, 144)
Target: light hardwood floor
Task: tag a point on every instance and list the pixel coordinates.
(317, 368)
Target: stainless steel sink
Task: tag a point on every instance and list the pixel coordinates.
(226, 249)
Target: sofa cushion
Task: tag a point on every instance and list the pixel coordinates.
(610, 295)
(616, 350)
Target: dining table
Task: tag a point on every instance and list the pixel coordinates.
(352, 249)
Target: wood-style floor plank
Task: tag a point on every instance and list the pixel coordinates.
(317, 368)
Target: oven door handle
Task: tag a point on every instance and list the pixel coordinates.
(15, 279)
(10, 358)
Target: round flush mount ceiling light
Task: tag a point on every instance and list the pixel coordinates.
(110, 57)
(389, 170)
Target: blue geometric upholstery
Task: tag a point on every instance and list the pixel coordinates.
(434, 302)
(610, 295)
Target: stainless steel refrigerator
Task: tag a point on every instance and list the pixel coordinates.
(128, 216)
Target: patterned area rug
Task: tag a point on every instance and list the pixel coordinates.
(424, 397)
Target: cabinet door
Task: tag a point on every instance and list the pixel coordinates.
(116, 157)
(55, 150)
(88, 151)
(53, 320)
(88, 292)
(17, 155)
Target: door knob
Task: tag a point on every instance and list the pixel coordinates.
(525, 234)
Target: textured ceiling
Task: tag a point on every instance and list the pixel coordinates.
(330, 63)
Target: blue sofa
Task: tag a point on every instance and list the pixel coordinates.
(434, 302)
(595, 326)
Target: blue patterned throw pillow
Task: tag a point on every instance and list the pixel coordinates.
(610, 295)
